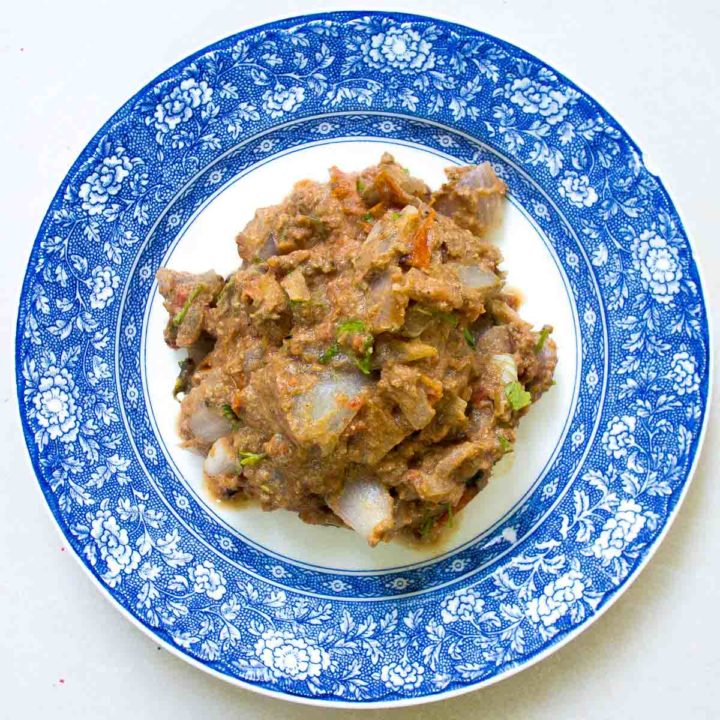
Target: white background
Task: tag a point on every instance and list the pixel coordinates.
(65, 67)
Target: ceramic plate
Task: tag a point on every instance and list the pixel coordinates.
(312, 614)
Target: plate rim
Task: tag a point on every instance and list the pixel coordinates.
(281, 22)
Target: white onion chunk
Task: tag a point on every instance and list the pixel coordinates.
(221, 459)
(366, 506)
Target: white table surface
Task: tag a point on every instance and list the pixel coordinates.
(65, 67)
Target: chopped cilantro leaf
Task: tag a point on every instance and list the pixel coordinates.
(329, 354)
(469, 338)
(177, 320)
(505, 444)
(450, 318)
(349, 326)
(360, 186)
(450, 515)
(368, 217)
(406, 171)
(542, 337)
(517, 395)
(246, 459)
(229, 413)
(361, 360)
(426, 526)
(395, 216)
(363, 364)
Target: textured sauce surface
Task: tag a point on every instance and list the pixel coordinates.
(366, 365)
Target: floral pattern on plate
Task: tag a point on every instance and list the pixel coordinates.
(243, 618)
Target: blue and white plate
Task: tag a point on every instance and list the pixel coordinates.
(312, 614)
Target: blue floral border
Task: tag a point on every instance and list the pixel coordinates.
(341, 650)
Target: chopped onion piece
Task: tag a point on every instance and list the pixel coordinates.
(268, 248)
(295, 286)
(547, 358)
(253, 358)
(381, 301)
(366, 506)
(208, 425)
(417, 320)
(490, 201)
(481, 177)
(409, 211)
(385, 306)
(506, 366)
(476, 277)
(328, 407)
(220, 459)
(389, 238)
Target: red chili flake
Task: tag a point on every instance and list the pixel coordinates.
(181, 295)
(420, 256)
(479, 396)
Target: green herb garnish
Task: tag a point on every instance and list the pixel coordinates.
(187, 367)
(426, 526)
(505, 444)
(329, 354)
(469, 338)
(449, 318)
(395, 216)
(361, 360)
(229, 413)
(406, 171)
(348, 326)
(544, 333)
(368, 217)
(177, 320)
(517, 395)
(363, 363)
(450, 515)
(360, 186)
(246, 459)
